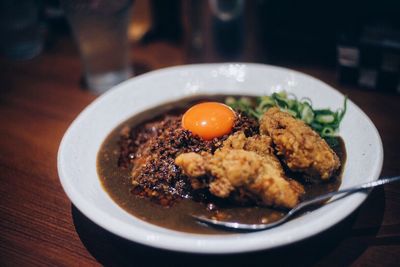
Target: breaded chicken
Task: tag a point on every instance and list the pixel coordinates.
(301, 148)
(246, 164)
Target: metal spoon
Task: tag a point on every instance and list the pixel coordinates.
(302, 205)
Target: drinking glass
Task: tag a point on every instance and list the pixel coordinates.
(100, 28)
(221, 30)
(20, 32)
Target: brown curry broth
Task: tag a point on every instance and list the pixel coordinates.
(117, 183)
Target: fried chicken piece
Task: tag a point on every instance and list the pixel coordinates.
(244, 164)
(301, 148)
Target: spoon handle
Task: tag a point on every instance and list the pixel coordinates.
(348, 190)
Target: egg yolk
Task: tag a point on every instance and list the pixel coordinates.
(209, 120)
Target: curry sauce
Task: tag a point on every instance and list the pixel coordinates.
(116, 178)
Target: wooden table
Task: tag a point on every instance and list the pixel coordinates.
(39, 226)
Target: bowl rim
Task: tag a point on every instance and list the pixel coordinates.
(183, 242)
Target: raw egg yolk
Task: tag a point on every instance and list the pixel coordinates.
(209, 120)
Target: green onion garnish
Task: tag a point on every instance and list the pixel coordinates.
(324, 121)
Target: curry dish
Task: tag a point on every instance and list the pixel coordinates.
(252, 171)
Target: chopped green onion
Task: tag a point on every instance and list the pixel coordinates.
(324, 121)
(230, 100)
(327, 131)
(307, 114)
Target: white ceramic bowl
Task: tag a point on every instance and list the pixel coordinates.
(79, 147)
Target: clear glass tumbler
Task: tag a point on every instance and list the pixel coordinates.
(100, 28)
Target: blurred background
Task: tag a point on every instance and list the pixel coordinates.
(360, 40)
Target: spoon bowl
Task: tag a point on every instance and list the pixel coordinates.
(296, 209)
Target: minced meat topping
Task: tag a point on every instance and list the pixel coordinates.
(149, 150)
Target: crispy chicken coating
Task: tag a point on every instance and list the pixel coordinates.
(301, 148)
(246, 164)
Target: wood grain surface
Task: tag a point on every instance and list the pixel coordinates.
(40, 227)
